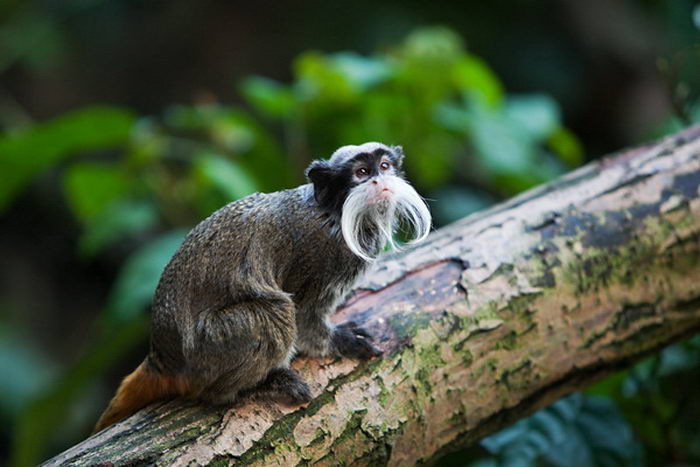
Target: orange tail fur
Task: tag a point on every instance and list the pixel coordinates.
(136, 391)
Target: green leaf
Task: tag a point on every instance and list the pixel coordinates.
(233, 131)
(147, 143)
(575, 431)
(567, 146)
(549, 425)
(226, 175)
(454, 202)
(507, 142)
(90, 187)
(268, 96)
(503, 148)
(427, 63)
(137, 280)
(186, 117)
(472, 75)
(599, 435)
(26, 371)
(33, 37)
(501, 440)
(25, 154)
(453, 116)
(436, 44)
(319, 79)
(364, 72)
(534, 116)
(567, 409)
(116, 221)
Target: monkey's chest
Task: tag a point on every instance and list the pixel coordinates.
(324, 276)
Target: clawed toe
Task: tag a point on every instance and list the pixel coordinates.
(351, 340)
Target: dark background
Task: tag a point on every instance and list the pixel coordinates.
(622, 73)
(598, 58)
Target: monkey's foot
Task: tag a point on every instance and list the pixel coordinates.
(351, 340)
(286, 386)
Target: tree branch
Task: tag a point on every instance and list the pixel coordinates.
(491, 319)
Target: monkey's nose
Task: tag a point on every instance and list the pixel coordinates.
(374, 182)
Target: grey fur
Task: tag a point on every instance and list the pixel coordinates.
(250, 286)
(345, 153)
(230, 307)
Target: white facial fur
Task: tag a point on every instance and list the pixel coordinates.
(382, 204)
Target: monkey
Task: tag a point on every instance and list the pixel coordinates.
(255, 283)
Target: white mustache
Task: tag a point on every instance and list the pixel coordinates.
(368, 224)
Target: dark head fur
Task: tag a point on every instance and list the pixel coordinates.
(333, 178)
(363, 188)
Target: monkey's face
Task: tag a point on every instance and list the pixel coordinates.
(375, 175)
(364, 187)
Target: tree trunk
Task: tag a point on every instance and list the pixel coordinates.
(492, 318)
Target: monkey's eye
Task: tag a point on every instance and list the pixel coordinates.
(362, 172)
(384, 165)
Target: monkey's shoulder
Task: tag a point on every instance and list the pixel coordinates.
(288, 201)
(264, 209)
(256, 214)
(243, 207)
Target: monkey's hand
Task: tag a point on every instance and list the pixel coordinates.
(350, 340)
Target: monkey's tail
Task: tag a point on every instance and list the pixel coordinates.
(140, 388)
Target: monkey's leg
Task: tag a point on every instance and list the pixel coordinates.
(318, 337)
(249, 345)
(283, 384)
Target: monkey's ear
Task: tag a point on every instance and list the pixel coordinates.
(319, 172)
(398, 152)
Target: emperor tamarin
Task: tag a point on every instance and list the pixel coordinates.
(254, 284)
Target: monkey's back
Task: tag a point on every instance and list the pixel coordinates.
(278, 242)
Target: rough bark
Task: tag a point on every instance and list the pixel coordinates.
(492, 318)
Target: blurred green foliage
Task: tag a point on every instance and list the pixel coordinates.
(444, 105)
(144, 181)
(575, 431)
(646, 415)
(26, 153)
